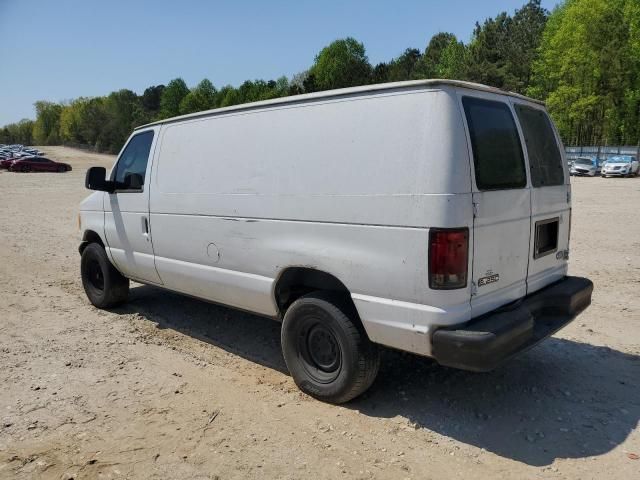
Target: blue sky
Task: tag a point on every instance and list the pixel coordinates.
(62, 49)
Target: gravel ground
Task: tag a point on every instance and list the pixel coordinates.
(171, 387)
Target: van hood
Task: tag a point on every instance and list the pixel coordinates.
(93, 202)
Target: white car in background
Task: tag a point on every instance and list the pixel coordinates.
(621, 166)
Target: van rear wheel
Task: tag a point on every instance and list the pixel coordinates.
(326, 349)
(102, 283)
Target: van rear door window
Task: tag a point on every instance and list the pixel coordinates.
(497, 153)
(544, 154)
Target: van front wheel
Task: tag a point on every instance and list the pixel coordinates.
(326, 349)
(102, 283)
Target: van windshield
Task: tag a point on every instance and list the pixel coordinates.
(544, 155)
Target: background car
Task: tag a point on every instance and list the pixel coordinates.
(621, 166)
(6, 162)
(38, 164)
(585, 166)
(570, 164)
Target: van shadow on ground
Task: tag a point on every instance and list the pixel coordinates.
(562, 399)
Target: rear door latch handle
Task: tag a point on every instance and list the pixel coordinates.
(145, 227)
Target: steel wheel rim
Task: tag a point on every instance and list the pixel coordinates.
(95, 276)
(320, 351)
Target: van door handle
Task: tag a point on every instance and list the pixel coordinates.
(145, 227)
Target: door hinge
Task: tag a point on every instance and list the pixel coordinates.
(474, 288)
(568, 196)
(475, 209)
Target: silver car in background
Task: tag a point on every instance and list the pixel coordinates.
(585, 166)
(621, 166)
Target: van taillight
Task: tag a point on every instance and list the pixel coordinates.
(448, 258)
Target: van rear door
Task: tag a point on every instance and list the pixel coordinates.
(550, 197)
(501, 201)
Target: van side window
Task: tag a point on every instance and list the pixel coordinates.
(132, 164)
(497, 153)
(544, 156)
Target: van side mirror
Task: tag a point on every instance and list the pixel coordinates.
(96, 180)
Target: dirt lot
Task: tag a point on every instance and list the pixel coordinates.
(171, 387)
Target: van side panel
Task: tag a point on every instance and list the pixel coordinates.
(347, 186)
(365, 160)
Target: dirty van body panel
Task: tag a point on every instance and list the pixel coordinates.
(501, 201)
(348, 186)
(127, 225)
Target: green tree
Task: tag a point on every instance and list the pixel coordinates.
(525, 35)
(46, 130)
(20, 132)
(228, 96)
(93, 117)
(122, 112)
(296, 84)
(380, 73)
(427, 66)
(503, 49)
(201, 97)
(488, 51)
(404, 66)
(453, 61)
(343, 63)
(25, 131)
(588, 71)
(171, 97)
(257, 90)
(151, 98)
(71, 121)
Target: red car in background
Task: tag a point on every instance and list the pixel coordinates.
(8, 161)
(37, 164)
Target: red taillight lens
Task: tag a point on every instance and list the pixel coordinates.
(448, 258)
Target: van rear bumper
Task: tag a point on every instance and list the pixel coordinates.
(485, 342)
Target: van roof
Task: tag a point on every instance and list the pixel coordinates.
(340, 93)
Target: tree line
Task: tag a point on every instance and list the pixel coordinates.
(582, 59)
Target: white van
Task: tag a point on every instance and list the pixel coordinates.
(428, 216)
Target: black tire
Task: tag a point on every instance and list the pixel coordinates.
(326, 348)
(102, 283)
(26, 169)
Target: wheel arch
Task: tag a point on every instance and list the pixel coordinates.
(90, 236)
(295, 281)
